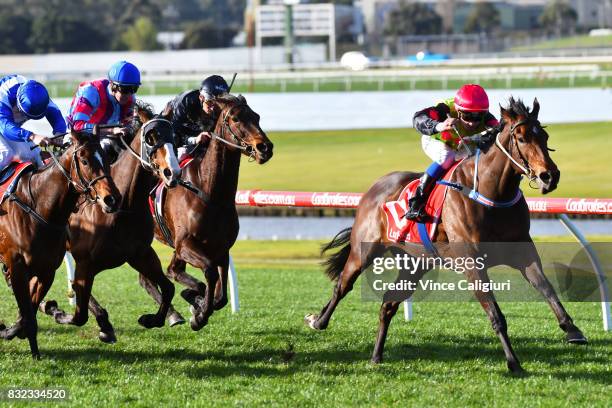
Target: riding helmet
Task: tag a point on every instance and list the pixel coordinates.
(33, 99)
(213, 86)
(124, 73)
(471, 98)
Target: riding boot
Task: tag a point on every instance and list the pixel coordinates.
(417, 203)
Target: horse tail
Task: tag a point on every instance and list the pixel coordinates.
(334, 264)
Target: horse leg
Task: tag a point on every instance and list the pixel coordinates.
(497, 318)
(27, 323)
(221, 288)
(82, 284)
(148, 264)
(206, 309)
(195, 287)
(532, 271)
(387, 311)
(174, 317)
(350, 273)
(107, 332)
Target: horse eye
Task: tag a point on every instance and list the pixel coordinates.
(521, 139)
(85, 162)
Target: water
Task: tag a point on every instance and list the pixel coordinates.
(326, 227)
(392, 109)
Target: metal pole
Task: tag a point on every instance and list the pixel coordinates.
(601, 278)
(233, 286)
(289, 34)
(408, 309)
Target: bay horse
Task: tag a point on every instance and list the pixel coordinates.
(100, 241)
(33, 224)
(520, 148)
(204, 227)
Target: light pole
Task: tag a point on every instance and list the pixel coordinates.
(289, 40)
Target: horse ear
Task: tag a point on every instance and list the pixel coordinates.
(78, 137)
(242, 99)
(505, 115)
(536, 108)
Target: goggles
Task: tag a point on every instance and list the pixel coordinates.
(125, 89)
(471, 116)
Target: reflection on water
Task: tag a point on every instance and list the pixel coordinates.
(327, 227)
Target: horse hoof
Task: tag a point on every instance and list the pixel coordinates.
(36, 356)
(2, 326)
(220, 304)
(576, 337)
(149, 321)
(193, 322)
(189, 295)
(48, 307)
(376, 360)
(108, 338)
(311, 320)
(175, 319)
(515, 368)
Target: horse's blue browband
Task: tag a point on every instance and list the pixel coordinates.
(476, 196)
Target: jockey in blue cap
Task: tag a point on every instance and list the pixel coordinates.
(106, 101)
(22, 99)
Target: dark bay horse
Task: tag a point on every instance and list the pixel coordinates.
(33, 224)
(100, 241)
(520, 148)
(204, 228)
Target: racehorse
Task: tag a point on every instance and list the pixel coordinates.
(520, 149)
(202, 228)
(33, 223)
(100, 241)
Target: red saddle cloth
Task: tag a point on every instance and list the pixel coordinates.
(400, 229)
(9, 177)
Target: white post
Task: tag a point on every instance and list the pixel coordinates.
(601, 278)
(70, 272)
(233, 286)
(408, 309)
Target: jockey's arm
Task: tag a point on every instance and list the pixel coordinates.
(426, 121)
(55, 118)
(8, 128)
(87, 102)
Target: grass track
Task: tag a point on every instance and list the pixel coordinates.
(351, 160)
(448, 354)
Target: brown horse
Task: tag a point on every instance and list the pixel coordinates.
(33, 224)
(204, 227)
(100, 241)
(520, 148)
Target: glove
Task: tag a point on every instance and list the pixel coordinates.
(482, 139)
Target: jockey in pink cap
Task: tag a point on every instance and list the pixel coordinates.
(444, 128)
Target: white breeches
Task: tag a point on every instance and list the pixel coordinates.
(440, 152)
(19, 151)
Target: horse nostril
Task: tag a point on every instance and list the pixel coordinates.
(546, 177)
(167, 172)
(262, 147)
(109, 200)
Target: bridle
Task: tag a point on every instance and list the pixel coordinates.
(524, 167)
(240, 144)
(147, 150)
(83, 186)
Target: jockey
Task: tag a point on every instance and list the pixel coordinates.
(20, 100)
(106, 101)
(192, 113)
(444, 128)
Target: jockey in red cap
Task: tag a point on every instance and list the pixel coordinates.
(444, 128)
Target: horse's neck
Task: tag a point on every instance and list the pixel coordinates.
(54, 196)
(132, 180)
(218, 171)
(497, 179)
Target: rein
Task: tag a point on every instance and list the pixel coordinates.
(243, 146)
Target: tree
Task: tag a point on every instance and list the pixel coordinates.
(484, 18)
(413, 19)
(56, 31)
(207, 34)
(142, 36)
(14, 33)
(559, 17)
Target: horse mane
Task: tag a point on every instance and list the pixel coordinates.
(229, 98)
(517, 108)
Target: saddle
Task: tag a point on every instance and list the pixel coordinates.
(401, 230)
(10, 176)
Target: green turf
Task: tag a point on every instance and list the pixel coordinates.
(579, 41)
(447, 356)
(351, 160)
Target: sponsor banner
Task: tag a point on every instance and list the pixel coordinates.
(343, 200)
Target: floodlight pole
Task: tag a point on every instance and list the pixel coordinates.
(289, 39)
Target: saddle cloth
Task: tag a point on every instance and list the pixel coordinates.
(9, 177)
(400, 229)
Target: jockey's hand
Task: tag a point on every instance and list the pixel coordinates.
(446, 125)
(121, 131)
(203, 136)
(40, 140)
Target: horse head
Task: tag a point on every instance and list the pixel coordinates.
(88, 171)
(157, 146)
(526, 143)
(238, 126)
